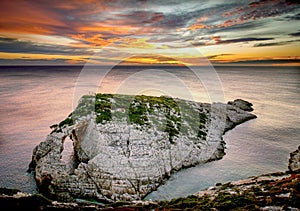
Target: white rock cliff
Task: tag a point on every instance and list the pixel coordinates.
(126, 157)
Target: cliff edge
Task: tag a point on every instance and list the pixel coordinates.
(124, 147)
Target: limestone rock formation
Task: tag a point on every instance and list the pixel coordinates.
(294, 161)
(126, 146)
(242, 104)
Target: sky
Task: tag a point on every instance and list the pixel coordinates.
(156, 32)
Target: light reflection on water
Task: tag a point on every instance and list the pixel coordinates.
(33, 99)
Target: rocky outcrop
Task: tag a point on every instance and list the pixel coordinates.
(294, 161)
(125, 147)
(236, 114)
(242, 104)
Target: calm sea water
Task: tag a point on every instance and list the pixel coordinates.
(33, 98)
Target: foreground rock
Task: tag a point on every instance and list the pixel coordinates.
(277, 191)
(294, 162)
(125, 146)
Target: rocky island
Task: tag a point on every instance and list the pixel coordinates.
(124, 146)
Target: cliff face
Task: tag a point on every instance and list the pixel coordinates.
(125, 146)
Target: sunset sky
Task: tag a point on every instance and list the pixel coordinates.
(61, 32)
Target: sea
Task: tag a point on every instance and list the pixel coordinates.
(34, 97)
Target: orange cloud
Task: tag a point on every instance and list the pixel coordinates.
(102, 28)
(199, 26)
(204, 18)
(216, 38)
(228, 23)
(151, 60)
(29, 56)
(94, 40)
(131, 42)
(90, 24)
(57, 18)
(25, 17)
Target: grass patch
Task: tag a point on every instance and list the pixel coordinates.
(163, 113)
(144, 107)
(103, 108)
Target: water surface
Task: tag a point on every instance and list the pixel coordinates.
(33, 98)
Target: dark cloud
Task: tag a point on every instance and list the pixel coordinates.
(254, 4)
(218, 55)
(253, 16)
(238, 40)
(171, 23)
(174, 21)
(275, 43)
(65, 19)
(182, 17)
(11, 45)
(199, 43)
(35, 61)
(263, 61)
(292, 2)
(239, 18)
(264, 9)
(7, 39)
(293, 17)
(296, 34)
(246, 26)
(266, 2)
(217, 40)
(142, 17)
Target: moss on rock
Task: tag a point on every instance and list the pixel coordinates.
(162, 112)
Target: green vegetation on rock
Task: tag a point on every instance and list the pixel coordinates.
(282, 193)
(67, 121)
(164, 113)
(145, 107)
(202, 121)
(103, 108)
